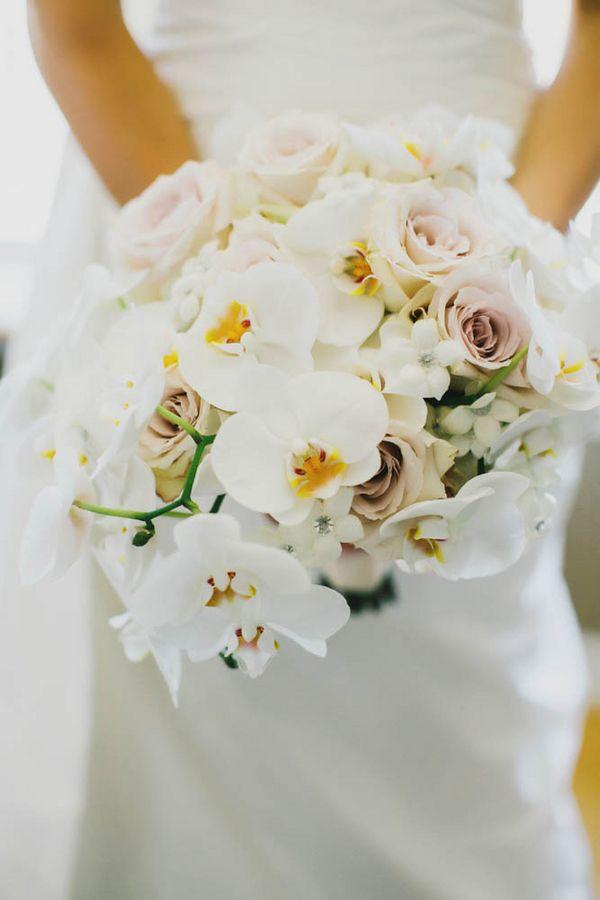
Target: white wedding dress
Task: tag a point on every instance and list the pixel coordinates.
(429, 757)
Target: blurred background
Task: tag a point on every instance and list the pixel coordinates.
(34, 133)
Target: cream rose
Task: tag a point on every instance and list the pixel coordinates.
(412, 463)
(475, 308)
(172, 218)
(167, 448)
(289, 153)
(419, 233)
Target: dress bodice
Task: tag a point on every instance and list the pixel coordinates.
(360, 58)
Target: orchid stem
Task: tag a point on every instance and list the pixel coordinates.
(500, 375)
(217, 504)
(181, 423)
(191, 475)
(169, 509)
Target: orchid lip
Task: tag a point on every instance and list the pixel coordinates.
(230, 328)
(312, 467)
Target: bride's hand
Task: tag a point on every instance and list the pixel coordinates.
(558, 160)
(124, 116)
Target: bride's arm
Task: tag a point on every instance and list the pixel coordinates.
(124, 117)
(558, 160)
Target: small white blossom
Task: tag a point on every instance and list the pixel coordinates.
(318, 540)
(419, 366)
(189, 288)
(474, 428)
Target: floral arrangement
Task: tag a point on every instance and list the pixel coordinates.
(356, 337)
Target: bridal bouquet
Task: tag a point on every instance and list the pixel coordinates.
(354, 340)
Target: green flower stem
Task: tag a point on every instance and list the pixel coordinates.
(181, 423)
(128, 513)
(217, 504)
(277, 212)
(169, 509)
(204, 442)
(499, 376)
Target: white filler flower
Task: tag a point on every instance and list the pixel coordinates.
(318, 539)
(474, 428)
(417, 367)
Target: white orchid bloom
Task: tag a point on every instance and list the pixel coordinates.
(327, 239)
(29, 400)
(101, 303)
(532, 446)
(264, 318)
(218, 593)
(450, 146)
(435, 142)
(318, 539)
(382, 151)
(479, 532)
(26, 398)
(582, 319)
(56, 532)
(417, 366)
(558, 364)
(474, 428)
(137, 644)
(300, 443)
(128, 486)
(128, 374)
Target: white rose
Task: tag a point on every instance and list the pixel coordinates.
(288, 154)
(171, 220)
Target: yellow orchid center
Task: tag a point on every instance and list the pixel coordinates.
(171, 359)
(571, 369)
(253, 642)
(229, 593)
(313, 470)
(231, 327)
(48, 454)
(358, 268)
(427, 546)
(413, 149)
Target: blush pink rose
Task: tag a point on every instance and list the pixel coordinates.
(172, 218)
(289, 153)
(166, 447)
(419, 233)
(475, 307)
(412, 463)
